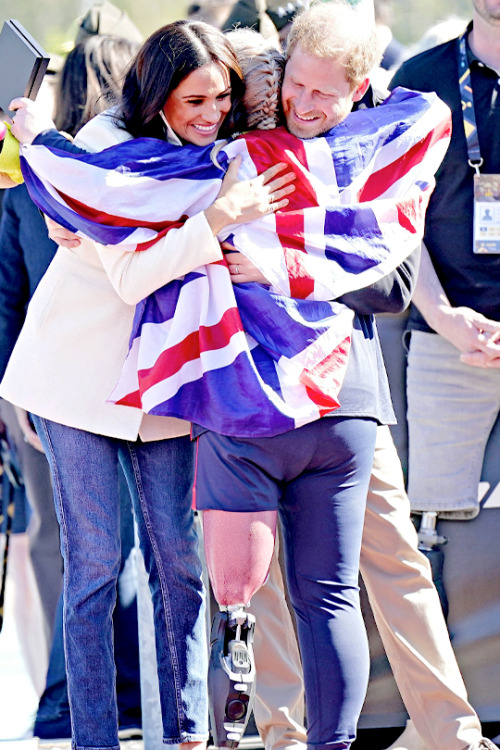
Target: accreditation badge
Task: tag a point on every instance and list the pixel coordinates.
(487, 213)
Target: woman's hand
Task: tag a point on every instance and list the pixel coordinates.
(61, 236)
(29, 119)
(29, 433)
(240, 268)
(240, 201)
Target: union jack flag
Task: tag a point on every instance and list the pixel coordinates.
(279, 352)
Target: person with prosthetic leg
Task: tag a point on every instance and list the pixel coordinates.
(224, 461)
(231, 672)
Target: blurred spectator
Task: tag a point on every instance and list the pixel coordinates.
(35, 561)
(454, 318)
(272, 19)
(391, 327)
(441, 32)
(106, 18)
(393, 50)
(214, 12)
(90, 81)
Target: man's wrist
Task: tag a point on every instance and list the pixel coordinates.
(438, 315)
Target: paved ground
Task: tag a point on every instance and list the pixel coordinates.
(19, 698)
(35, 744)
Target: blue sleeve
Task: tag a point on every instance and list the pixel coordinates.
(14, 282)
(56, 140)
(392, 294)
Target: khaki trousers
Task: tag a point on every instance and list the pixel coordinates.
(408, 615)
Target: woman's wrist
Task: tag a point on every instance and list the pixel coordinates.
(217, 216)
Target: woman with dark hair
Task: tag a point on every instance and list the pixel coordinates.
(183, 86)
(91, 79)
(163, 62)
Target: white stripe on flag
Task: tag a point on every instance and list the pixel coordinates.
(193, 370)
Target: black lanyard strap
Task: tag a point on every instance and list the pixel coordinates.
(468, 111)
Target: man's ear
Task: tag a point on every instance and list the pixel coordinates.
(360, 90)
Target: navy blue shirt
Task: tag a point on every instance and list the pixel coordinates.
(467, 278)
(25, 254)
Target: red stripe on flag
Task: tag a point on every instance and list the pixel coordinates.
(290, 230)
(101, 217)
(262, 148)
(207, 338)
(131, 399)
(161, 233)
(324, 382)
(384, 178)
(267, 148)
(411, 212)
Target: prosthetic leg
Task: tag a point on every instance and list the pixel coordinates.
(238, 551)
(430, 543)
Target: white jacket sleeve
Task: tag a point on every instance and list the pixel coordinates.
(135, 275)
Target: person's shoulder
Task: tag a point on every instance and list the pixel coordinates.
(102, 131)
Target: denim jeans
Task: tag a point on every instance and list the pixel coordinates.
(53, 715)
(84, 468)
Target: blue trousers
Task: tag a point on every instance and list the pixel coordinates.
(84, 469)
(53, 715)
(317, 476)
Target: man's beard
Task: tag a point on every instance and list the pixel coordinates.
(304, 131)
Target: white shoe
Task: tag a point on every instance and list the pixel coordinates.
(485, 744)
(409, 739)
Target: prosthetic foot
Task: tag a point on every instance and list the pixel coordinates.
(431, 543)
(231, 675)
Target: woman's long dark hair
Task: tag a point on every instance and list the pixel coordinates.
(164, 60)
(91, 79)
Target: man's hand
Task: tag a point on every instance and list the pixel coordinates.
(29, 433)
(488, 356)
(29, 119)
(480, 359)
(62, 236)
(474, 335)
(240, 268)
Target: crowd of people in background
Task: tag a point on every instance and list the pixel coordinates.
(345, 485)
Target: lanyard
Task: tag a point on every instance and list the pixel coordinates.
(469, 114)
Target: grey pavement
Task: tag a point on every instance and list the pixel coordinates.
(36, 744)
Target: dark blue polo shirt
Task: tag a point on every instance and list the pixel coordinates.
(468, 279)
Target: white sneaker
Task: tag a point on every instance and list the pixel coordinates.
(409, 739)
(485, 744)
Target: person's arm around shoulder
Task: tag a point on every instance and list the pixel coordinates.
(135, 275)
(391, 294)
(471, 333)
(193, 243)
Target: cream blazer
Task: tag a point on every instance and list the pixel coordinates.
(71, 348)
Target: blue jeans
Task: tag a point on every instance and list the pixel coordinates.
(53, 715)
(84, 468)
(317, 476)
